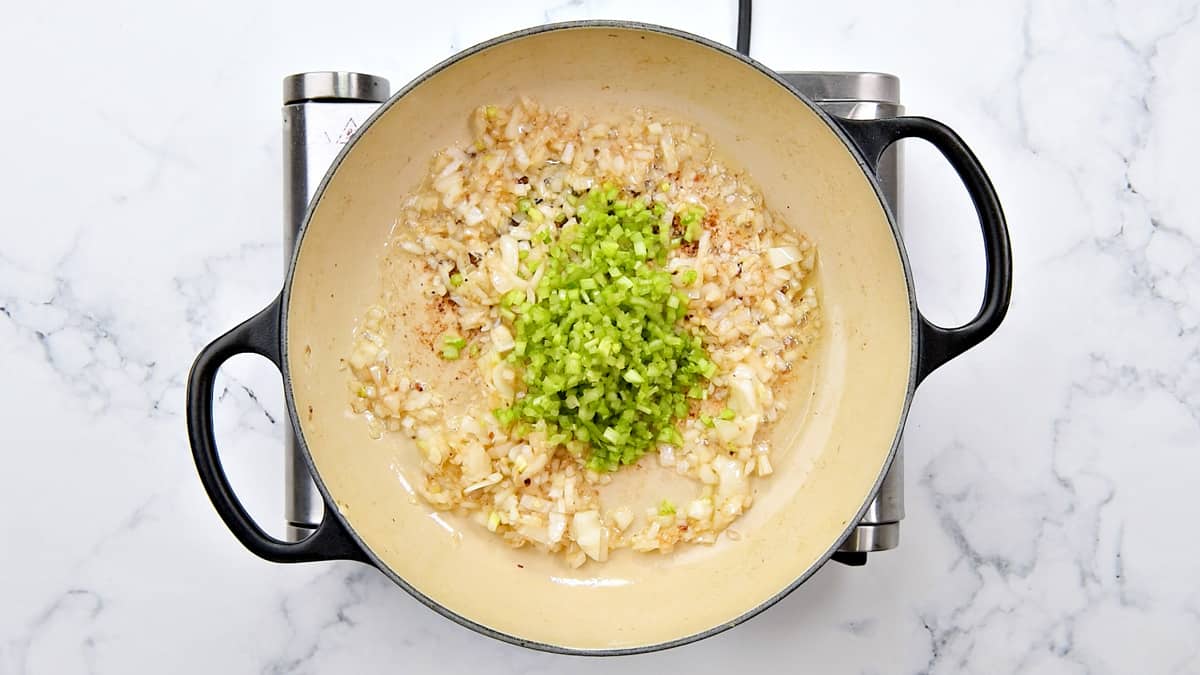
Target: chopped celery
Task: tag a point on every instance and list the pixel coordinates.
(692, 219)
(452, 346)
(691, 214)
(606, 363)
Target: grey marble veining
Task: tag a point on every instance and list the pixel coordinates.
(1051, 471)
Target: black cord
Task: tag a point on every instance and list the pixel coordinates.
(743, 27)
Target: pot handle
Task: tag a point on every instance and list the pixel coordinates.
(258, 335)
(937, 344)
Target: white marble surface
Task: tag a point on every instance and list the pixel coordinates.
(1051, 471)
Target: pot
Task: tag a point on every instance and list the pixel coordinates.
(835, 443)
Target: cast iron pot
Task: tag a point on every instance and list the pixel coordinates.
(833, 446)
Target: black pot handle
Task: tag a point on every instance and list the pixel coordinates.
(938, 345)
(258, 335)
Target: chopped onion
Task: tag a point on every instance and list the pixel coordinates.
(622, 517)
(764, 466)
(509, 252)
(521, 156)
(782, 256)
(476, 464)
(558, 526)
(502, 338)
(587, 531)
(532, 503)
(470, 425)
(505, 280)
(739, 431)
(743, 389)
(392, 401)
(534, 533)
(504, 380)
(731, 479)
(473, 216)
(535, 465)
(453, 166)
(666, 454)
(492, 479)
(700, 509)
(431, 446)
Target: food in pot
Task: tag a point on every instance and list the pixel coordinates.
(616, 298)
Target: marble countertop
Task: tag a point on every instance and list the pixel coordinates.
(1049, 471)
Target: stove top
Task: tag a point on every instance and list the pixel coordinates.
(323, 110)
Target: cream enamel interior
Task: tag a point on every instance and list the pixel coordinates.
(830, 449)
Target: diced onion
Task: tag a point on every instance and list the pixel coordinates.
(558, 526)
(521, 156)
(432, 447)
(587, 531)
(486, 482)
(764, 466)
(473, 216)
(743, 389)
(731, 479)
(700, 509)
(502, 338)
(782, 256)
(666, 455)
(509, 251)
(623, 517)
